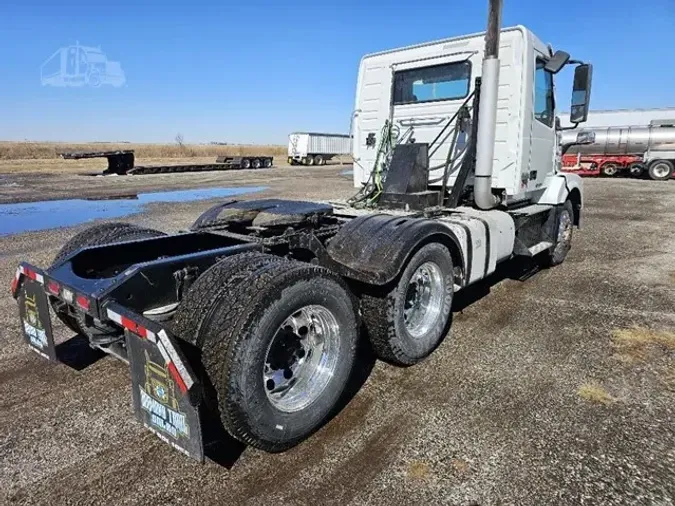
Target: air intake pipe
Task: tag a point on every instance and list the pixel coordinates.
(487, 111)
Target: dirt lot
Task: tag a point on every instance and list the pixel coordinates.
(556, 390)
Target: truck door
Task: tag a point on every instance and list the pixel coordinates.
(425, 96)
(542, 139)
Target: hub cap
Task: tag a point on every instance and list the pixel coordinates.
(661, 170)
(610, 169)
(423, 299)
(301, 358)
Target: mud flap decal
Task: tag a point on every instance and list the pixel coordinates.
(35, 322)
(159, 402)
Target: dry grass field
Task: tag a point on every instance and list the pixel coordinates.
(30, 157)
(47, 150)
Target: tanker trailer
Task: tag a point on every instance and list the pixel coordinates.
(636, 149)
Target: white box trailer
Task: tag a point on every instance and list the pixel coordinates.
(310, 148)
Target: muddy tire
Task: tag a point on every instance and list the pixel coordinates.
(278, 340)
(408, 322)
(98, 235)
(564, 226)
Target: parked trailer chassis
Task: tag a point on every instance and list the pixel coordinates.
(611, 165)
(122, 162)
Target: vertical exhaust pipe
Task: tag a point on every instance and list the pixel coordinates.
(487, 110)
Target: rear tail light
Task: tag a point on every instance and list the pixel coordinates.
(53, 287)
(83, 302)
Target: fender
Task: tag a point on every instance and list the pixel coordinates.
(375, 248)
(562, 186)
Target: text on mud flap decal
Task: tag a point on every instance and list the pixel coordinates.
(158, 399)
(161, 394)
(35, 322)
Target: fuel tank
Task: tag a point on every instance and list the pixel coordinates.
(634, 140)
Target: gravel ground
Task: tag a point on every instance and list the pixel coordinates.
(556, 390)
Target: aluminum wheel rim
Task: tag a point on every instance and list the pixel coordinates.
(610, 169)
(660, 170)
(301, 358)
(423, 299)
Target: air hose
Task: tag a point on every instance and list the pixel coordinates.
(368, 195)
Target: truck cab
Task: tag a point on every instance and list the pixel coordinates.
(419, 88)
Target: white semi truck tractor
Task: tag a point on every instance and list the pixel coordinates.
(249, 324)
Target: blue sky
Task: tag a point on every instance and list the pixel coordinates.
(255, 71)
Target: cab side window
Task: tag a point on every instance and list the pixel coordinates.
(544, 108)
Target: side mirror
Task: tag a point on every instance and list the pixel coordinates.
(557, 62)
(585, 137)
(581, 93)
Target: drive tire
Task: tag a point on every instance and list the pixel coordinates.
(98, 235)
(564, 227)
(636, 169)
(309, 161)
(384, 311)
(660, 170)
(318, 160)
(233, 313)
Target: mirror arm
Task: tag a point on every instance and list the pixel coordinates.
(562, 129)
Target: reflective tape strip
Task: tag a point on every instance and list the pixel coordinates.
(171, 358)
(15, 280)
(177, 378)
(132, 326)
(152, 337)
(162, 350)
(117, 318)
(176, 359)
(29, 273)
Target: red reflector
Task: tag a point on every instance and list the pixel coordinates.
(15, 284)
(30, 274)
(129, 324)
(82, 302)
(177, 378)
(53, 287)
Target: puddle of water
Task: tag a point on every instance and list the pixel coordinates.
(31, 216)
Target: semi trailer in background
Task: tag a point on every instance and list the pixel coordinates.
(634, 150)
(316, 149)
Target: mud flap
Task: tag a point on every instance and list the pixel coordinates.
(159, 402)
(35, 322)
